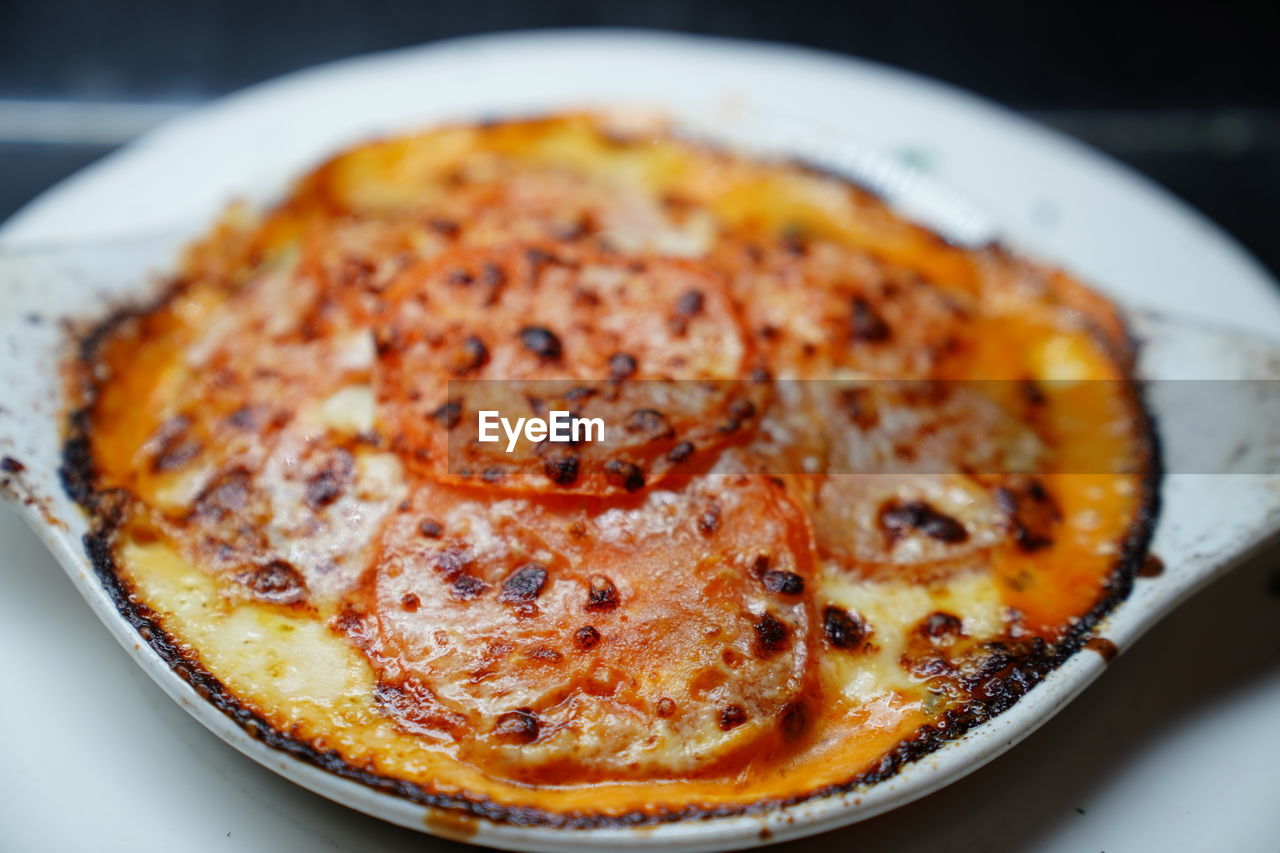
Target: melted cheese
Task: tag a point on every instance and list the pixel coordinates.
(594, 646)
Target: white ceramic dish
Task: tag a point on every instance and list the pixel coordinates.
(93, 239)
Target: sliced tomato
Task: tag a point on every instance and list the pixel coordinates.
(907, 473)
(815, 308)
(553, 638)
(652, 347)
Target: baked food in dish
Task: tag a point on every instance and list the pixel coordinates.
(870, 487)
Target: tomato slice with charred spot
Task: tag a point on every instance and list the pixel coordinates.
(817, 308)
(650, 346)
(558, 639)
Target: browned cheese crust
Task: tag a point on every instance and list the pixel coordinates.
(768, 588)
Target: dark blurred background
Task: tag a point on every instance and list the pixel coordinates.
(1187, 93)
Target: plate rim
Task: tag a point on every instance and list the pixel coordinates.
(692, 835)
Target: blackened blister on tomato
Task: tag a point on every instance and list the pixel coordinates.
(328, 484)
(622, 365)
(771, 635)
(449, 414)
(625, 474)
(524, 584)
(649, 422)
(587, 637)
(783, 583)
(680, 452)
(602, 594)
(561, 469)
(690, 303)
(542, 342)
(470, 355)
(466, 586)
(866, 324)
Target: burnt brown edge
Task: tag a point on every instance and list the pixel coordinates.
(1007, 675)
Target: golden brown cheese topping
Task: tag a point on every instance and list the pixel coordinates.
(865, 487)
(558, 641)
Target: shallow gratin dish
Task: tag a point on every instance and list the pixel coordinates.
(46, 284)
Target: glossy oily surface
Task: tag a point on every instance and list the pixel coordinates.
(265, 441)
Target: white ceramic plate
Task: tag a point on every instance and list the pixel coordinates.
(836, 111)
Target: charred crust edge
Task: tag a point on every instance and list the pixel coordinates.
(1017, 674)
